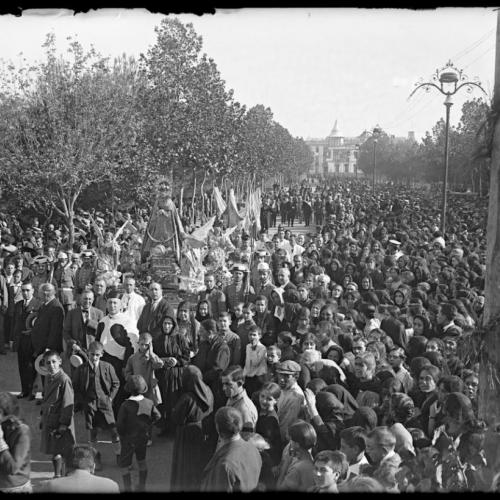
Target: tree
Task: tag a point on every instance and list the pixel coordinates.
(191, 119)
(66, 125)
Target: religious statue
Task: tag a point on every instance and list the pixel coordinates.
(164, 230)
(161, 247)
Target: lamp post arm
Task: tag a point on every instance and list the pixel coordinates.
(465, 84)
(427, 84)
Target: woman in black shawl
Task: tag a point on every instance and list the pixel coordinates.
(345, 397)
(194, 405)
(326, 418)
(173, 349)
(203, 310)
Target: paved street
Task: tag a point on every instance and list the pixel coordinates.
(298, 228)
(159, 454)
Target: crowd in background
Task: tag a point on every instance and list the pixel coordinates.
(340, 358)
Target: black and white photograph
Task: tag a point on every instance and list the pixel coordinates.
(252, 249)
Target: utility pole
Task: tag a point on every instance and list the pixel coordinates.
(489, 386)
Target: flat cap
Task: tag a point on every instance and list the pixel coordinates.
(288, 367)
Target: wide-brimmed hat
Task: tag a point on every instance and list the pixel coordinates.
(75, 360)
(30, 320)
(238, 266)
(40, 366)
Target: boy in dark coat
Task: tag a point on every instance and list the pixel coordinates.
(135, 417)
(96, 384)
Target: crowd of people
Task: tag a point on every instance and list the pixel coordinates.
(337, 359)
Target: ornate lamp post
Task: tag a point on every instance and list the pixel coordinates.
(356, 156)
(448, 80)
(375, 135)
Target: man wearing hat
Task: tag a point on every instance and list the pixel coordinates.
(239, 290)
(260, 257)
(85, 275)
(291, 403)
(64, 276)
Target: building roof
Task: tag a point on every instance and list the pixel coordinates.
(335, 131)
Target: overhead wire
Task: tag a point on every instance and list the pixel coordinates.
(398, 119)
(473, 46)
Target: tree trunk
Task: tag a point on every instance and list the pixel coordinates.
(489, 387)
(203, 209)
(193, 216)
(70, 220)
(181, 196)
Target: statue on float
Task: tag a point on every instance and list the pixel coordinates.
(161, 246)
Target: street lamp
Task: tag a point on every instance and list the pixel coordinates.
(451, 80)
(356, 156)
(375, 135)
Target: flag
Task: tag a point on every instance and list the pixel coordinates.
(231, 215)
(198, 238)
(219, 201)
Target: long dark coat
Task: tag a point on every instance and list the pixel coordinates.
(189, 458)
(57, 409)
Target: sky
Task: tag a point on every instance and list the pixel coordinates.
(310, 66)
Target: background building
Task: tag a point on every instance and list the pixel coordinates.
(336, 154)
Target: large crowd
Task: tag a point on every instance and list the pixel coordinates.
(337, 359)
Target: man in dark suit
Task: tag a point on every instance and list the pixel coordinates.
(153, 313)
(27, 273)
(22, 310)
(80, 325)
(47, 330)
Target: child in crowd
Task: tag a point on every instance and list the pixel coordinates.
(144, 362)
(135, 417)
(237, 316)
(273, 359)
(248, 312)
(396, 358)
(268, 428)
(255, 368)
(265, 321)
(96, 384)
(57, 424)
(285, 343)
